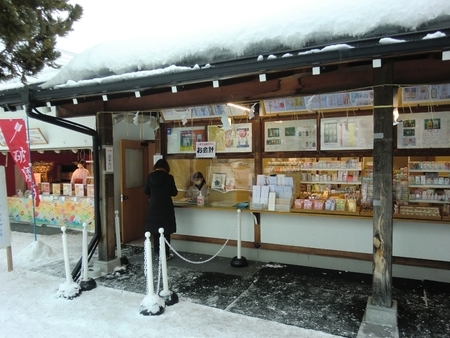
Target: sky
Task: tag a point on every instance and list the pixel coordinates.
(114, 42)
(30, 306)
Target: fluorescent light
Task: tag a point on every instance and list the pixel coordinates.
(75, 101)
(137, 93)
(174, 89)
(238, 106)
(316, 70)
(262, 77)
(216, 84)
(105, 97)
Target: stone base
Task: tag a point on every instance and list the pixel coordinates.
(107, 267)
(379, 321)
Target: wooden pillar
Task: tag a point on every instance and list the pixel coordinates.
(382, 186)
(107, 245)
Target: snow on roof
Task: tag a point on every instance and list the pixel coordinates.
(285, 28)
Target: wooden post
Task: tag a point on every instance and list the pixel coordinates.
(382, 186)
(9, 258)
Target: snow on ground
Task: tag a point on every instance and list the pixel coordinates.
(30, 306)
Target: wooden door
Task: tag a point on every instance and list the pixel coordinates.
(134, 157)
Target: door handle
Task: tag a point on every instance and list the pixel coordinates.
(123, 198)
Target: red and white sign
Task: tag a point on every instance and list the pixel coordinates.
(15, 134)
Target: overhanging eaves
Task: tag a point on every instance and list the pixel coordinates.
(226, 70)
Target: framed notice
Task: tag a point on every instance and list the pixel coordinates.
(236, 139)
(290, 135)
(36, 136)
(424, 130)
(218, 181)
(183, 140)
(346, 133)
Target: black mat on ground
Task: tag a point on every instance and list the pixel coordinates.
(325, 300)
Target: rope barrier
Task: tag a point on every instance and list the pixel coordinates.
(207, 260)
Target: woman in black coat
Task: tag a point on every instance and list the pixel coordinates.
(160, 187)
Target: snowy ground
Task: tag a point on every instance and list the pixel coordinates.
(30, 306)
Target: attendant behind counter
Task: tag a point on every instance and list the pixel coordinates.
(199, 185)
(81, 174)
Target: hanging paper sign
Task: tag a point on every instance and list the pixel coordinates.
(15, 134)
(205, 149)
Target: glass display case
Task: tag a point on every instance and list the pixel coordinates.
(228, 181)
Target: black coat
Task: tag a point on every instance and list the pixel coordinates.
(160, 187)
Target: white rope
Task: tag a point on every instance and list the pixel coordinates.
(205, 261)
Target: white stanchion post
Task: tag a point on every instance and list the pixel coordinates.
(86, 283)
(149, 266)
(66, 256)
(239, 261)
(123, 259)
(163, 255)
(239, 234)
(69, 289)
(170, 297)
(85, 252)
(118, 239)
(152, 304)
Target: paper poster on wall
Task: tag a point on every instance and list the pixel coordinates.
(236, 139)
(426, 94)
(424, 130)
(352, 132)
(290, 135)
(356, 99)
(183, 140)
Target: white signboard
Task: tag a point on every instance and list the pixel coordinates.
(424, 130)
(346, 133)
(205, 149)
(290, 135)
(5, 230)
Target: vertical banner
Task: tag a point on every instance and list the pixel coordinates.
(5, 231)
(15, 134)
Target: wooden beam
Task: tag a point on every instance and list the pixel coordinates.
(382, 186)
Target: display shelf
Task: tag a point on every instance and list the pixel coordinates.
(334, 182)
(332, 169)
(442, 186)
(326, 212)
(428, 170)
(428, 201)
(429, 184)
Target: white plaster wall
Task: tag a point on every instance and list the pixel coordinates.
(421, 240)
(324, 232)
(57, 137)
(214, 223)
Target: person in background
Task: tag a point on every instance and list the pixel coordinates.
(81, 174)
(160, 187)
(199, 185)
